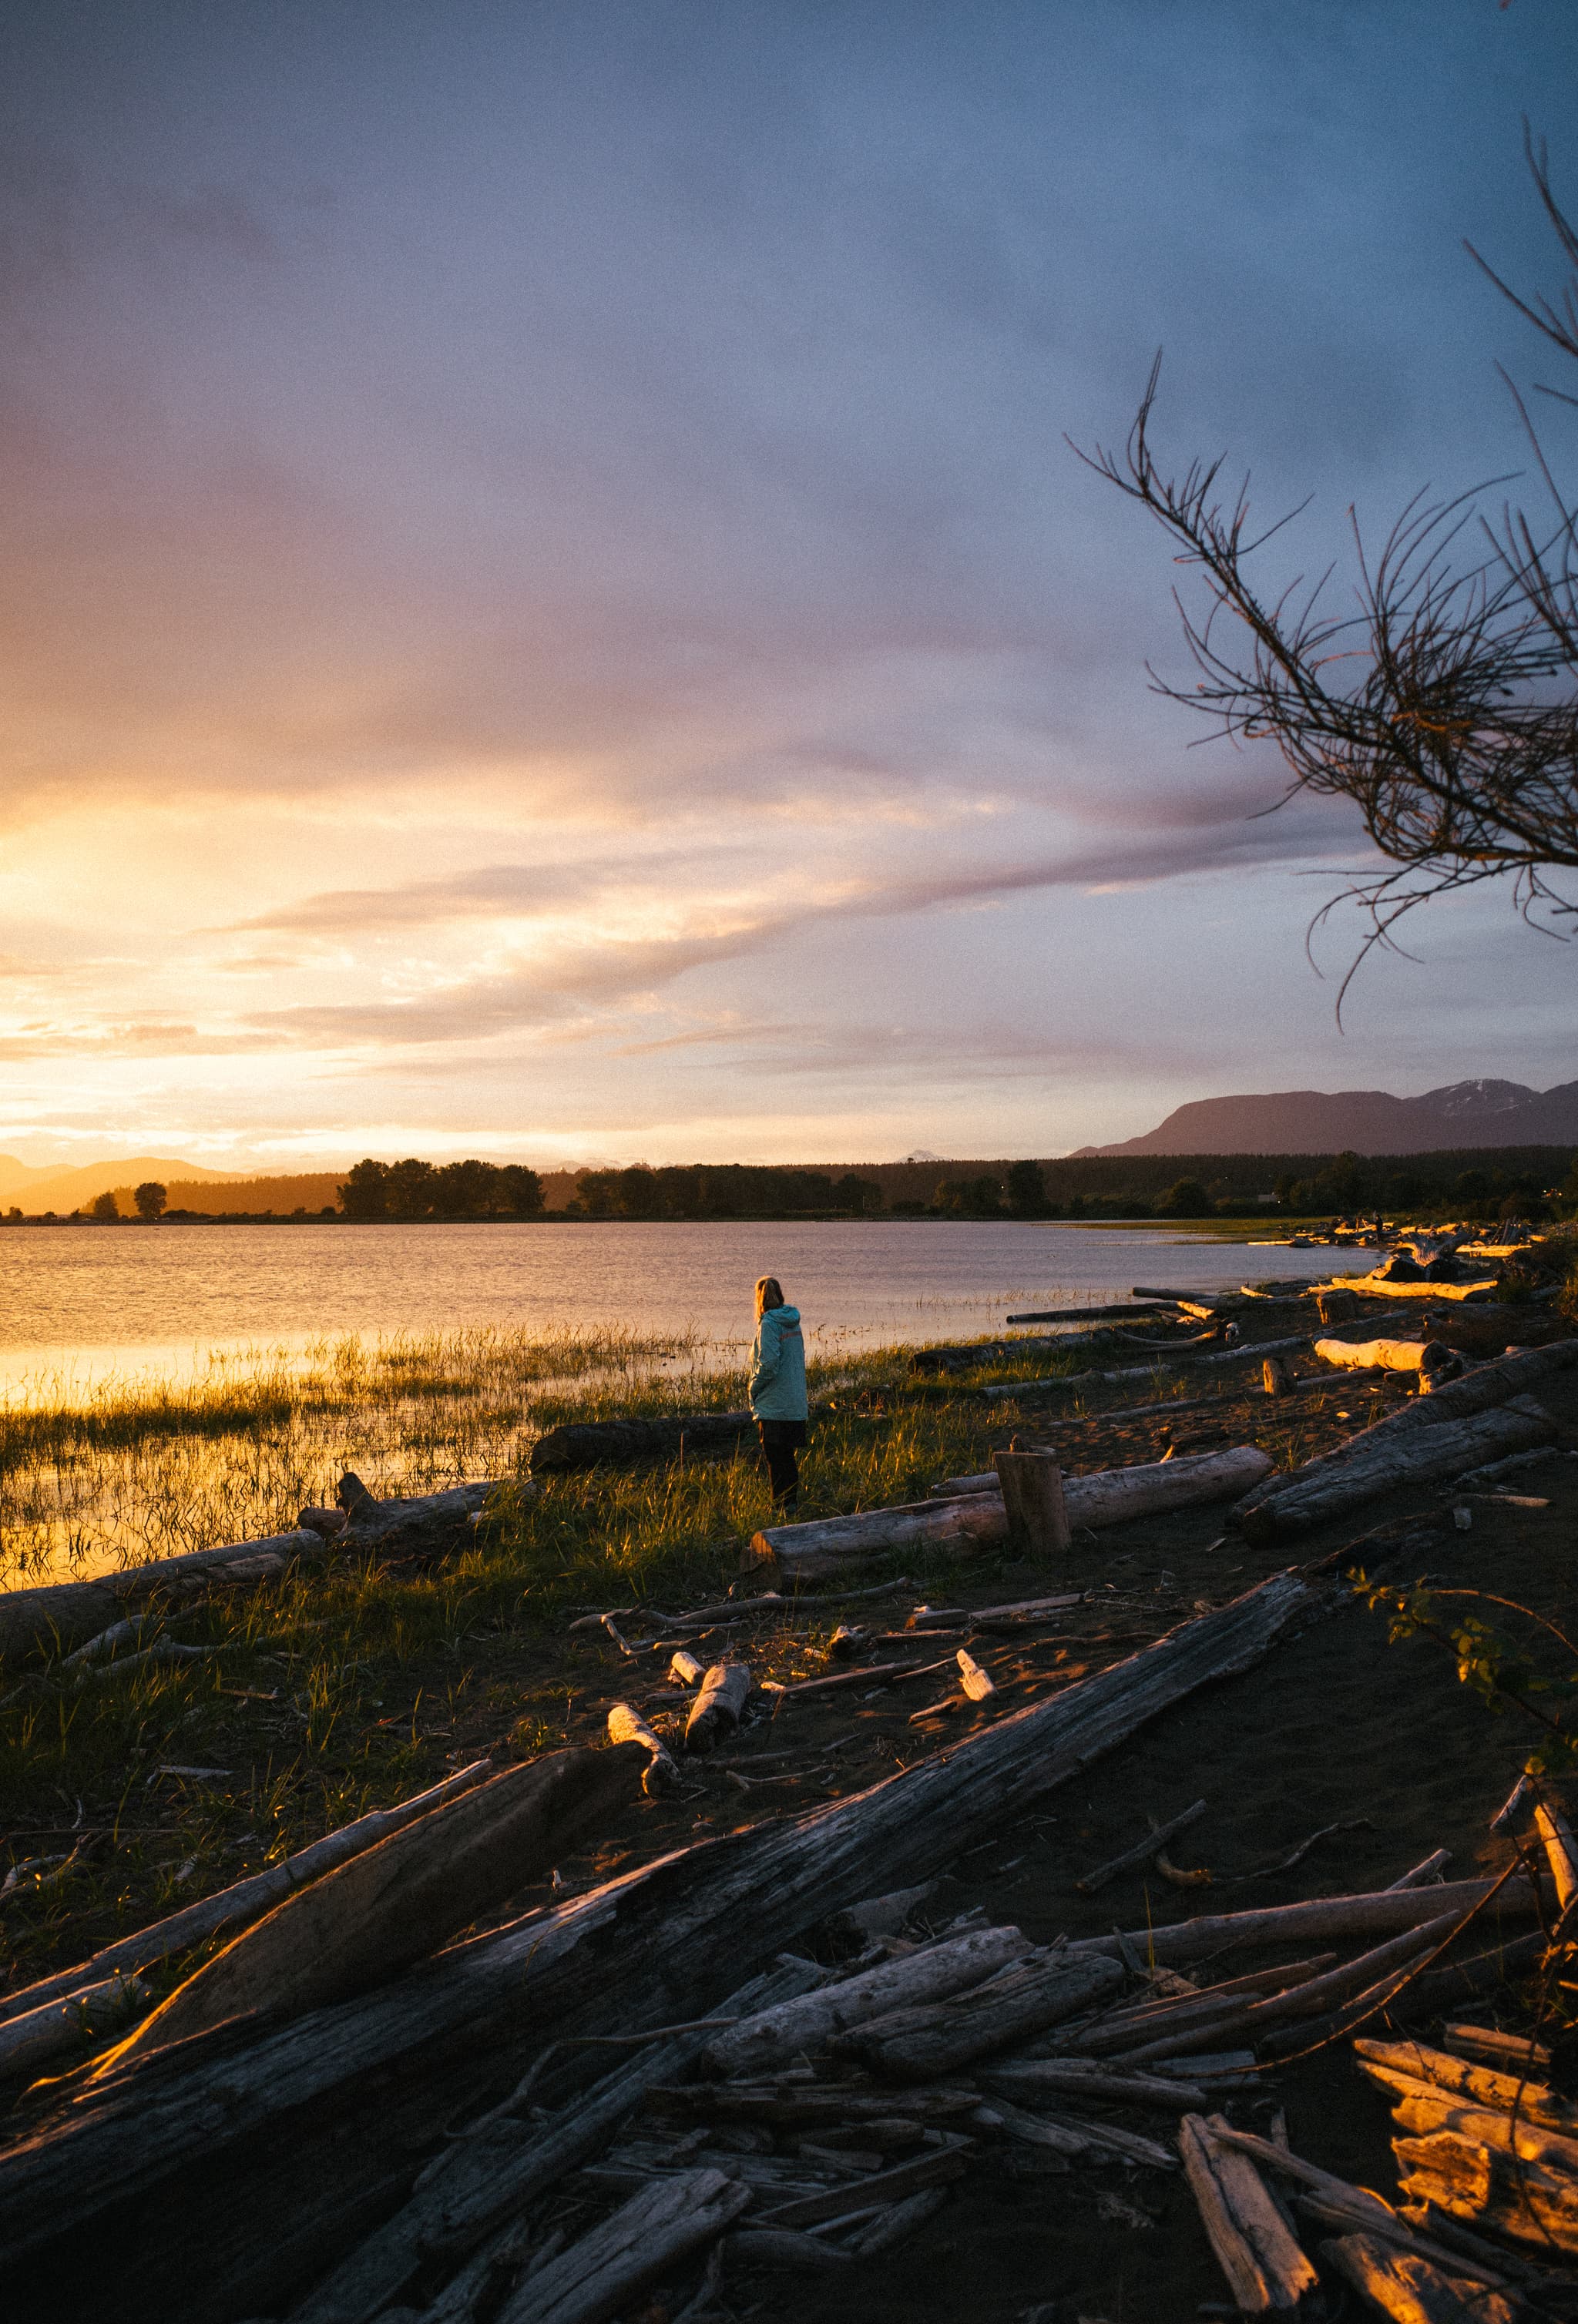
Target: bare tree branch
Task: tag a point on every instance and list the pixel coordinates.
(1444, 706)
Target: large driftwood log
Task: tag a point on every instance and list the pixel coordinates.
(1322, 1492)
(596, 2277)
(236, 1907)
(320, 2121)
(776, 2035)
(54, 1614)
(1108, 1497)
(51, 1615)
(401, 1899)
(418, 1526)
(1383, 1355)
(914, 2044)
(621, 1444)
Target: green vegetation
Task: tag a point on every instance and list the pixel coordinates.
(449, 1190)
(340, 1688)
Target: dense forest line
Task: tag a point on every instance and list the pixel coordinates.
(1533, 1180)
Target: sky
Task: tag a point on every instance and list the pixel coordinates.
(547, 610)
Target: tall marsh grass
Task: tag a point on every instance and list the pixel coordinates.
(131, 1470)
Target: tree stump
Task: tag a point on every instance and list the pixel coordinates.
(1032, 1495)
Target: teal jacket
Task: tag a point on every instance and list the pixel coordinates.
(777, 1366)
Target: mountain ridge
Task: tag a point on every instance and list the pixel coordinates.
(1474, 1112)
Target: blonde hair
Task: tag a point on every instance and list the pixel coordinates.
(769, 1293)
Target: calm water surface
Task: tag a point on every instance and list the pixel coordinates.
(85, 1300)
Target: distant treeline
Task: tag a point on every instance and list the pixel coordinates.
(307, 1190)
(1529, 1178)
(730, 1190)
(1177, 1186)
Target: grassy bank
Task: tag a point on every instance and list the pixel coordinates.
(336, 1690)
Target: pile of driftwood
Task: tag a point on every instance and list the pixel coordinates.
(301, 2089)
(747, 2053)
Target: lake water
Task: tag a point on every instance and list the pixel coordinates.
(86, 1302)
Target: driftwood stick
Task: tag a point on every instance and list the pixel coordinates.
(976, 1684)
(1426, 1869)
(1405, 2065)
(1141, 1852)
(1304, 2000)
(248, 1900)
(1235, 2255)
(1456, 2175)
(1076, 2077)
(1561, 1851)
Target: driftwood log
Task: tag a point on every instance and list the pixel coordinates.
(627, 1725)
(1374, 1288)
(1383, 1913)
(1256, 1348)
(236, 1907)
(400, 1899)
(915, 2045)
(1414, 2289)
(1110, 1497)
(51, 1615)
(776, 2036)
(621, 1444)
(1266, 2269)
(1384, 1355)
(1487, 2187)
(596, 2277)
(718, 1707)
(298, 2144)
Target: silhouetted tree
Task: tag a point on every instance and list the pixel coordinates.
(104, 1208)
(1027, 1190)
(149, 1198)
(1186, 1198)
(1446, 708)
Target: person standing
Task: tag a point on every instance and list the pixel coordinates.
(777, 1390)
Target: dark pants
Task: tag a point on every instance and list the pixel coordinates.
(780, 1444)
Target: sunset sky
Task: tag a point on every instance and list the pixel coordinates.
(547, 612)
